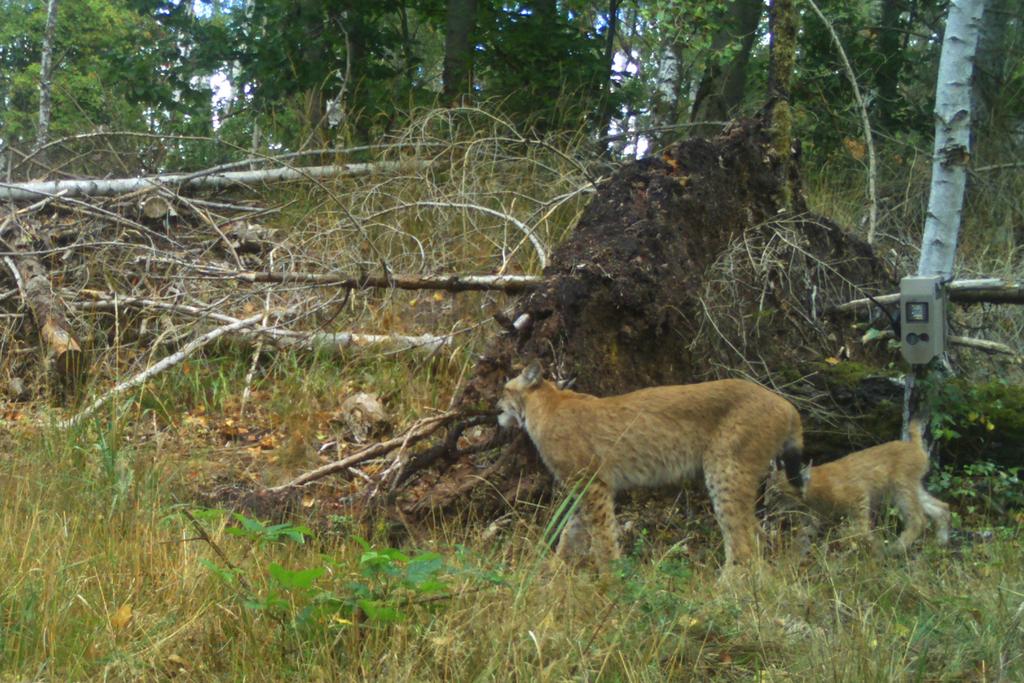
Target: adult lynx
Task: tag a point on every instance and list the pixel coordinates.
(857, 484)
(729, 430)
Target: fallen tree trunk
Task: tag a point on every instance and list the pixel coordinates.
(280, 338)
(512, 284)
(986, 345)
(990, 291)
(115, 186)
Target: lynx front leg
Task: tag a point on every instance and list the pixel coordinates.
(597, 514)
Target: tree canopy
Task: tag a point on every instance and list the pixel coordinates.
(286, 75)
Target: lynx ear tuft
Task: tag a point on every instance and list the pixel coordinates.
(533, 374)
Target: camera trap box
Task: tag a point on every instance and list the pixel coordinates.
(922, 318)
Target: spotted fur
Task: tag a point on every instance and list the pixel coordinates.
(729, 431)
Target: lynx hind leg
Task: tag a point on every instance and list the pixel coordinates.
(733, 496)
(574, 541)
(597, 515)
(909, 505)
(938, 512)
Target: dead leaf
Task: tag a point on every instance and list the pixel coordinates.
(122, 617)
(177, 661)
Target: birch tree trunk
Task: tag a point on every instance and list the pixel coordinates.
(952, 149)
(45, 75)
(97, 187)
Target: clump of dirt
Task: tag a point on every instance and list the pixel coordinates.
(682, 268)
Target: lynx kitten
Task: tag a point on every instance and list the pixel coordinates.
(857, 484)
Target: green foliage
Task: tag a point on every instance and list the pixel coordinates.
(980, 488)
(978, 421)
(128, 65)
(261, 534)
(385, 586)
(546, 72)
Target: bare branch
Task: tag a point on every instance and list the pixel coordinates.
(420, 430)
(154, 370)
(985, 345)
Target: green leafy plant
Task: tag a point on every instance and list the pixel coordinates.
(390, 580)
(385, 586)
(981, 487)
(261, 533)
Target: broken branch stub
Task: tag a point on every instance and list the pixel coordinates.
(64, 354)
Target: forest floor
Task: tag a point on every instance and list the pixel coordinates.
(107, 577)
(120, 559)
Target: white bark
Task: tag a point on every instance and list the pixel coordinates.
(952, 138)
(157, 368)
(950, 156)
(45, 75)
(115, 186)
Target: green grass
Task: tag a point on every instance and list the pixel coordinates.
(90, 524)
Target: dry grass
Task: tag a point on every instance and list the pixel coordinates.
(103, 579)
(89, 536)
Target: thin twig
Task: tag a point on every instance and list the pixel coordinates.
(258, 349)
(165, 363)
(420, 430)
(865, 123)
(217, 549)
(518, 224)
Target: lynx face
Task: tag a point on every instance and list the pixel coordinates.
(513, 401)
(729, 431)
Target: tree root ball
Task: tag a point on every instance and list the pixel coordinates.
(684, 267)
